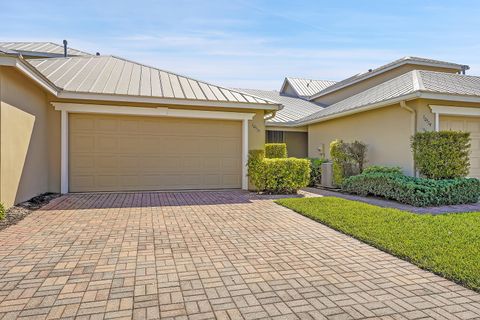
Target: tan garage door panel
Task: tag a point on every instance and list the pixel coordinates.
(121, 153)
(471, 125)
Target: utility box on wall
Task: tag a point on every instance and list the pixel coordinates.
(327, 175)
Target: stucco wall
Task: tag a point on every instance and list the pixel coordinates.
(297, 144)
(24, 138)
(386, 132)
(341, 94)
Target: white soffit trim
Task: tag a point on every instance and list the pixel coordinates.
(289, 129)
(158, 112)
(367, 107)
(455, 111)
(182, 102)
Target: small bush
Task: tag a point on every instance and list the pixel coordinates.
(348, 159)
(2, 211)
(418, 192)
(278, 176)
(441, 155)
(382, 169)
(315, 171)
(255, 168)
(275, 150)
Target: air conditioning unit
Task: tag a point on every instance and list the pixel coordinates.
(327, 175)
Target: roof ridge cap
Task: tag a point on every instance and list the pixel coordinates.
(417, 81)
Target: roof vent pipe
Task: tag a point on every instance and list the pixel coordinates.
(65, 48)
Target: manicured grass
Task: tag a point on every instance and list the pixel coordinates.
(447, 244)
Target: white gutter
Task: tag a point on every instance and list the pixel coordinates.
(167, 101)
(367, 107)
(407, 97)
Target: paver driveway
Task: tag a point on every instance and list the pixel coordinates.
(204, 255)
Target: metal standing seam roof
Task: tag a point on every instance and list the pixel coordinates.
(7, 51)
(416, 81)
(41, 48)
(405, 60)
(118, 76)
(293, 108)
(306, 87)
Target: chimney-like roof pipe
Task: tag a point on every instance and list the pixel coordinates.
(65, 48)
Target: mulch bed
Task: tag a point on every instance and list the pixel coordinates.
(17, 213)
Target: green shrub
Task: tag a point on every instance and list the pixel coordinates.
(418, 192)
(348, 159)
(277, 176)
(383, 169)
(441, 155)
(286, 176)
(315, 171)
(255, 168)
(2, 211)
(275, 150)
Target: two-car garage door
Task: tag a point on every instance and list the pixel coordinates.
(125, 153)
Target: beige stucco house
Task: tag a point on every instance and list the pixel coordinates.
(102, 123)
(82, 122)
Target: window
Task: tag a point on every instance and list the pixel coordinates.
(275, 137)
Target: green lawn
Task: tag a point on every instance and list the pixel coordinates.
(447, 244)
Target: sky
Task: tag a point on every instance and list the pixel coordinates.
(254, 44)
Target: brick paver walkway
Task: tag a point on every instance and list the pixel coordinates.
(201, 255)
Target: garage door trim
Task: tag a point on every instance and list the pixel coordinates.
(66, 108)
(452, 111)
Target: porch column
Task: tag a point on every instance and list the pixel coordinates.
(244, 154)
(64, 152)
(437, 121)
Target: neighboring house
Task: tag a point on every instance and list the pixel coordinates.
(86, 122)
(384, 107)
(103, 123)
(40, 49)
(296, 137)
(303, 88)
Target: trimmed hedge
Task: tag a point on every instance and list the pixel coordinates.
(255, 165)
(277, 176)
(275, 150)
(418, 192)
(382, 169)
(442, 155)
(315, 171)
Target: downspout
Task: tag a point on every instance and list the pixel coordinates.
(413, 126)
(270, 115)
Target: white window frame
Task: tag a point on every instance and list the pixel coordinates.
(66, 108)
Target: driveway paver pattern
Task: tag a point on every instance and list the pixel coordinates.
(204, 255)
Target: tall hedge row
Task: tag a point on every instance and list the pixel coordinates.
(442, 154)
